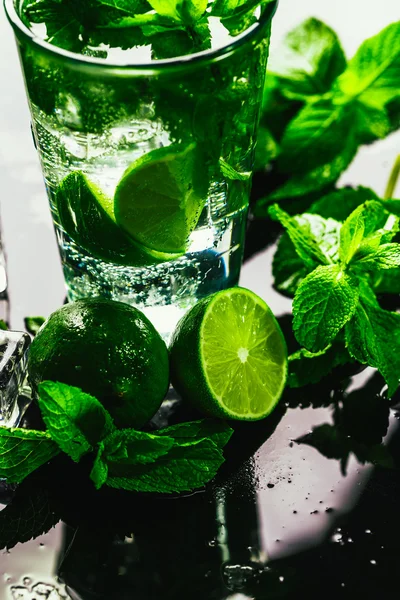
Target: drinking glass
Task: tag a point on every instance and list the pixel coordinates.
(147, 166)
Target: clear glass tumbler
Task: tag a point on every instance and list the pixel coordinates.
(147, 166)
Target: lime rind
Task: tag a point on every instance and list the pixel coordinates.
(236, 388)
(86, 213)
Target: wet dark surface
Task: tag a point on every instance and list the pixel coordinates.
(316, 516)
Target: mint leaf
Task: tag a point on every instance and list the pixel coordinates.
(231, 173)
(324, 302)
(128, 446)
(365, 229)
(352, 234)
(29, 515)
(302, 236)
(99, 472)
(63, 21)
(309, 60)
(33, 324)
(386, 257)
(308, 368)
(341, 203)
(316, 136)
(186, 467)
(217, 431)
(372, 123)
(288, 268)
(266, 149)
(317, 179)
(3, 325)
(373, 338)
(124, 448)
(373, 74)
(22, 451)
(75, 420)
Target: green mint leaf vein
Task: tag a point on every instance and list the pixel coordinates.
(212, 429)
(373, 74)
(324, 302)
(76, 421)
(187, 466)
(23, 451)
(373, 338)
(302, 236)
(316, 136)
(29, 515)
(386, 257)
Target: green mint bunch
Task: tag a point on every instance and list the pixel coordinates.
(174, 459)
(319, 108)
(336, 299)
(87, 26)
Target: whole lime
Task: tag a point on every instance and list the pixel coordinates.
(108, 349)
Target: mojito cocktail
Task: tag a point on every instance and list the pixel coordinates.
(145, 117)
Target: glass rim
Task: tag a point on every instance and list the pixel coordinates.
(20, 29)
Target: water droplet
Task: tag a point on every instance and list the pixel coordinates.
(368, 531)
(270, 485)
(329, 509)
(373, 562)
(27, 581)
(212, 543)
(295, 512)
(281, 578)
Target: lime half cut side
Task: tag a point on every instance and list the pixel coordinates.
(229, 356)
(160, 197)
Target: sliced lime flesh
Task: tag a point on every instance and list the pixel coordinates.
(160, 197)
(244, 355)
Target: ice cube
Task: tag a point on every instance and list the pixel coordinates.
(13, 362)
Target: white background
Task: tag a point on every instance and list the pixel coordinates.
(27, 231)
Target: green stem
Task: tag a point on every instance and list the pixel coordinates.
(393, 179)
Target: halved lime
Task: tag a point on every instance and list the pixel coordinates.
(228, 356)
(87, 215)
(160, 197)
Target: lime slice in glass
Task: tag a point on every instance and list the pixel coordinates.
(229, 357)
(87, 215)
(160, 197)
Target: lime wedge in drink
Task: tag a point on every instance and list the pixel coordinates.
(160, 197)
(87, 215)
(228, 356)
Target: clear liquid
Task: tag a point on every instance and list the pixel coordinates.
(165, 291)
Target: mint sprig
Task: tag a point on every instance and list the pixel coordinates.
(321, 109)
(179, 458)
(338, 297)
(23, 451)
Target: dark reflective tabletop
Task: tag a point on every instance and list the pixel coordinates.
(307, 501)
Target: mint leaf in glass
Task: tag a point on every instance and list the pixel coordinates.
(76, 421)
(22, 451)
(309, 59)
(324, 302)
